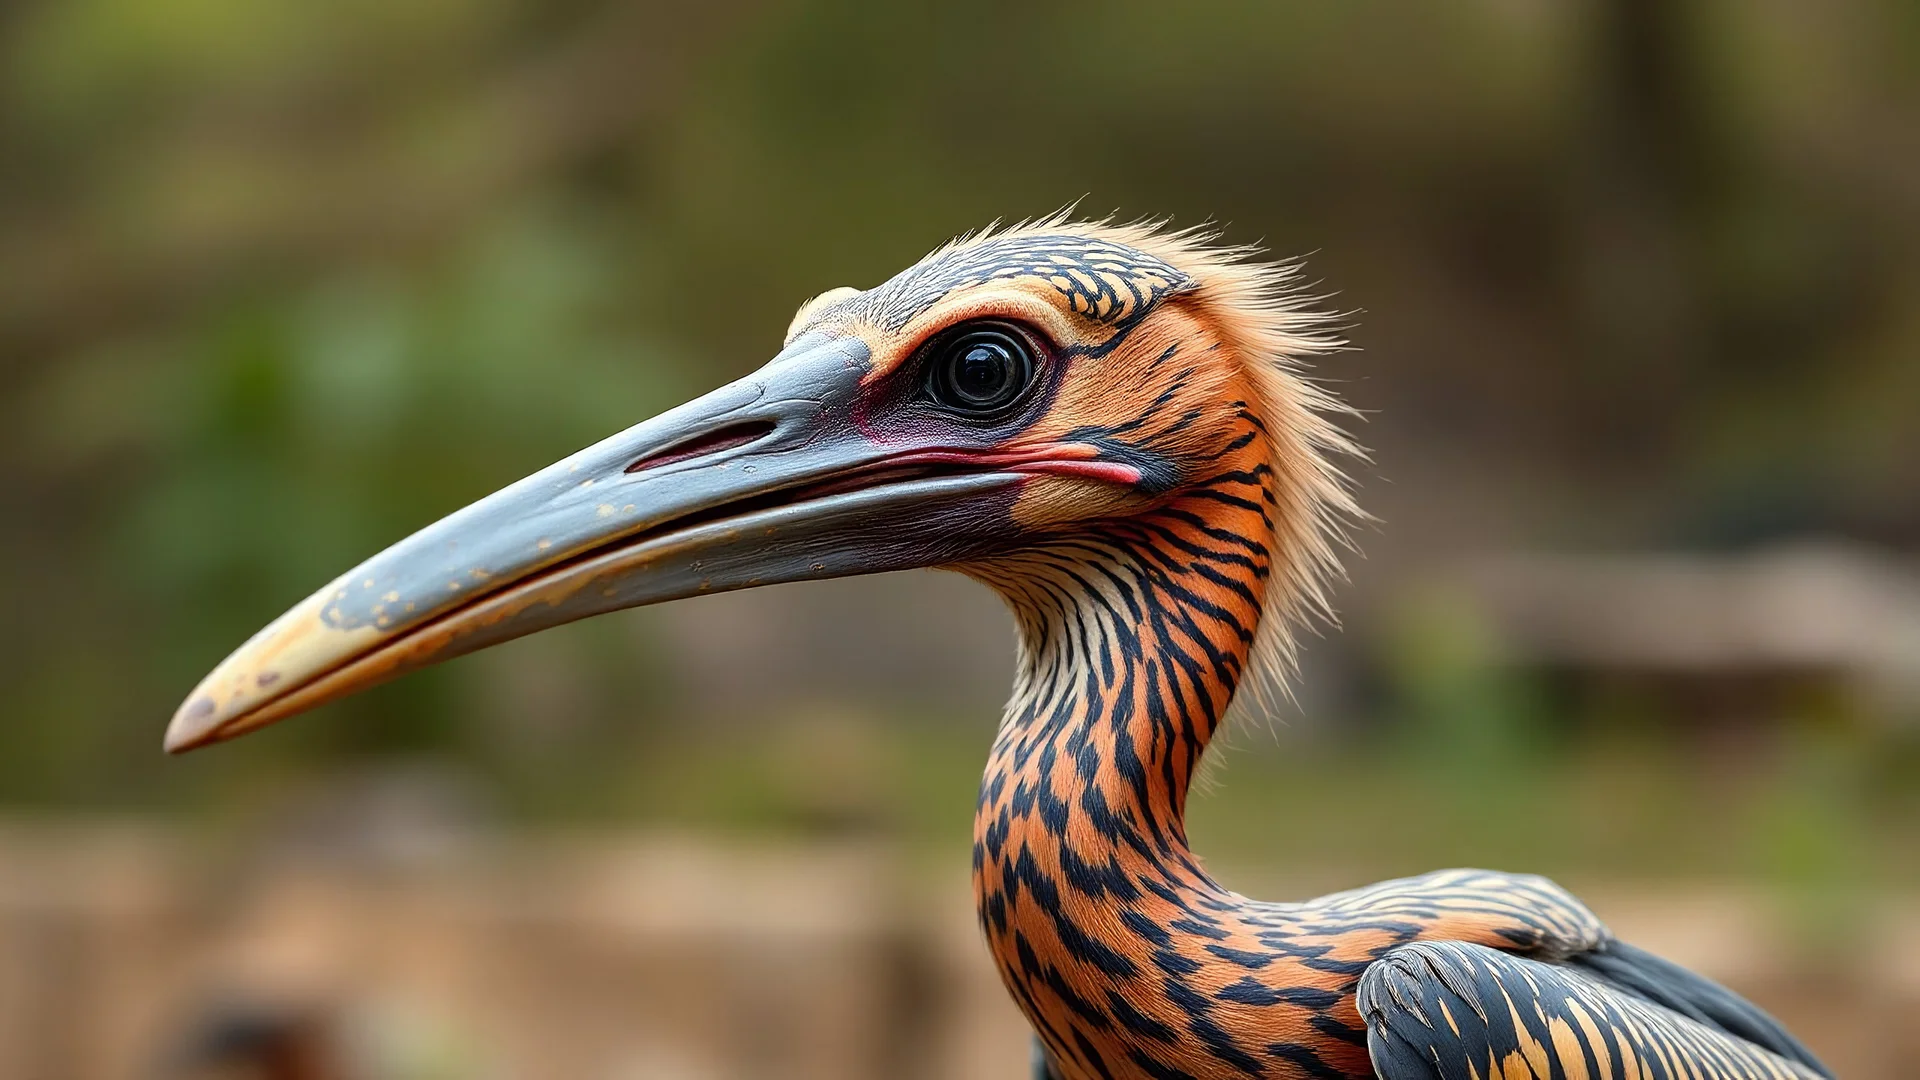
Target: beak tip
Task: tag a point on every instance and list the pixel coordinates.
(195, 725)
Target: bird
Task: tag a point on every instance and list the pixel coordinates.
(1114, 427)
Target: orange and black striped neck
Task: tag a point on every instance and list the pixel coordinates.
(1134, 635)
(1125, 956)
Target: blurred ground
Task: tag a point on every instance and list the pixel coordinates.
(649, 955)
(1633, 285)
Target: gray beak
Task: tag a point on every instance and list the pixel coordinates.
(766, 480)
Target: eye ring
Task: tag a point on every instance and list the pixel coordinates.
(980, 370)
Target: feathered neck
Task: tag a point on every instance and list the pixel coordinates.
(1134, 637)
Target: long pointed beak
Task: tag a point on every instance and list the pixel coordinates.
(765, 480)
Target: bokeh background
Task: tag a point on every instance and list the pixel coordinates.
(1637, 304)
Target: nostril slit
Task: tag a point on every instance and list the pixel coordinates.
(712, 442)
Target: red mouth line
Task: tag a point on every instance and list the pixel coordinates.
(1059, 459)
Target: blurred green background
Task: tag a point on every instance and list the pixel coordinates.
(1636, 286)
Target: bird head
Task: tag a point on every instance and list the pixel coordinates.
(1010, 389)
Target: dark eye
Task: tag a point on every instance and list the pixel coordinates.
(980, 371)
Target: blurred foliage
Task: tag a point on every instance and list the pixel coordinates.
(280, 282)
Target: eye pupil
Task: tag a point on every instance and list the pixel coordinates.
(981, 372)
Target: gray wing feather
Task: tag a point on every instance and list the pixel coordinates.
(1666, 983)
(1447, 1010)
